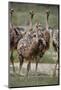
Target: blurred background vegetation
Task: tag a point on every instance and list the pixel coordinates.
(21, 14)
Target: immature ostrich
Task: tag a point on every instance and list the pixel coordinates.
(33, 44)
(15, 35)
(44, 40)
(28, 48)
(45, 37)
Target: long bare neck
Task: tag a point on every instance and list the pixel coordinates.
(31, 18)
(37, 33)
(11, 18)
(46, 23)
(30, 23)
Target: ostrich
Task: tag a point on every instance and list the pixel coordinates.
(28, 48)
(15, 35)
(45, 37)
(33, 44)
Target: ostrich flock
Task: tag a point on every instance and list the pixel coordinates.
(32, 43)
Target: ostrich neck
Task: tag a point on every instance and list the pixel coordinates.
(47, 24)
(30, 23)
(37, 35)
(11, 17)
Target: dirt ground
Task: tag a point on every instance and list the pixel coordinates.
(42, 77)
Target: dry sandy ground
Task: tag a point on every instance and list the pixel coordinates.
(42, 68)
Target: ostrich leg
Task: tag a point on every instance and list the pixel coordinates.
(36, 66)
(21, 62)
(28, 67)
(12, 60)
(54, 72)
(37, 60)
(57, 63)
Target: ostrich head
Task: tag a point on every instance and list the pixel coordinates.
(31, 14)
(47, 12)
(11, 11)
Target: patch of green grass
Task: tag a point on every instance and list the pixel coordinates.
(47, 59)
(18, 81)
(49, 56)
(15, 55)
